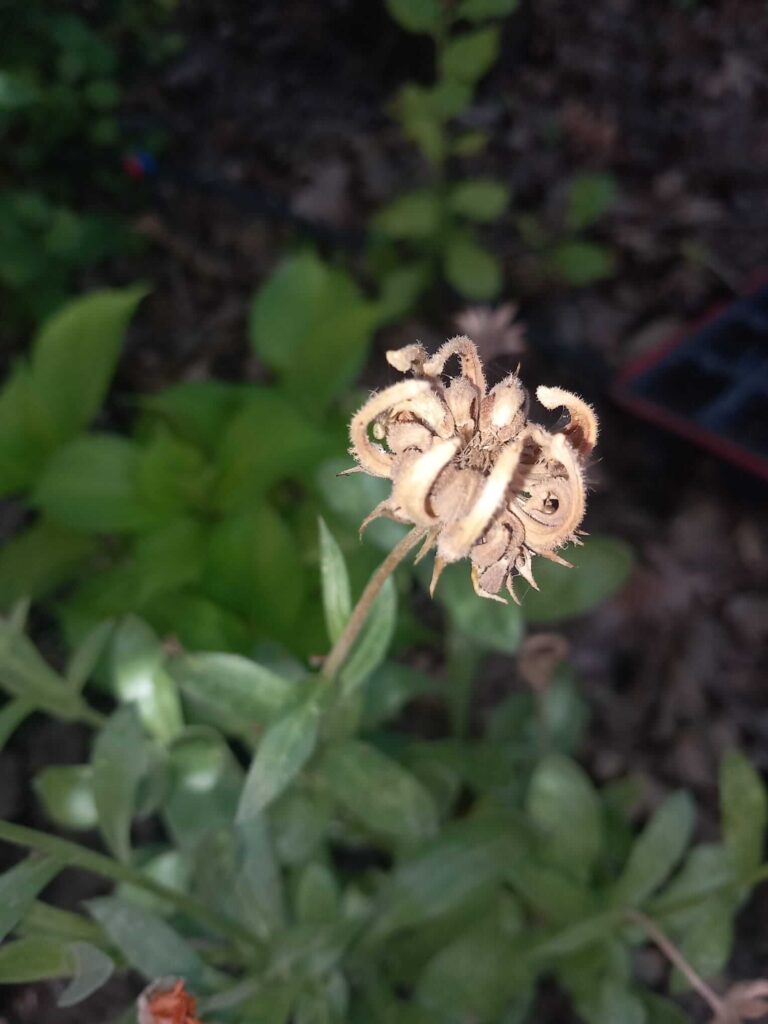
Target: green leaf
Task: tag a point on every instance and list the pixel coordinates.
(479, 199)
(300, 824)
(66, 792)
(317, 895)
(86, 656)
(388, 689)
(589, 196)
(379, 792)
(564, 806)
(399, 290)
(75, 354)
(230, 692)
(415, 215)
(661, 1011)
(449, 873)
(258, 881)
(172, 475)
(92, 969)
(92, 484)
(166, 559)
(20, 886)
(416, 15)
(34, 959)
(744, 811)
(352, 497)
(311, 325)
(616, 1002)
(197, 410)
(205, 785)
(12, 714)
(27, 432)
(248, 466)
(119, 762)
(374, 640)
(469, 56)
(469, 144)
(148, 943)
(480, 10)
(474, 272)
(285, 748)
(254, 567)
(39, 559)
(601, 568)
(581, 263)
(488, 624)
(139, 678)
(656, 851)
(473, 977)
(337, 599)
(706, 892)
(422, 113)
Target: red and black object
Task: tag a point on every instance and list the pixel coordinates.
(709, 383)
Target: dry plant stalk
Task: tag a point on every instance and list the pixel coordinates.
(470, 469)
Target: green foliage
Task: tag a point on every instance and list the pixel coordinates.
(61, 75)
(201, 519)
(562, 244)
(434, 226)
(347, 866)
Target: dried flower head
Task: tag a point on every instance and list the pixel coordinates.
(469, 468)
(167, 1002)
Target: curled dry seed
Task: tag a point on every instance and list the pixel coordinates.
(468, 466)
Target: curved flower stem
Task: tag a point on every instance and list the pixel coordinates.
(340, 650)
(675, 957)
(73, 855)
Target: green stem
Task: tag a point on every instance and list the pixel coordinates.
(341, 649)
(74, 855)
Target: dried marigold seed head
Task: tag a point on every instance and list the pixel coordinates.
(470, 469)
(167, 1002)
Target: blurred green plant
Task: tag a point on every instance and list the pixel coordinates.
(203, 519)
(565, 251)
(304, 860)
(61, 76)
(430, 232)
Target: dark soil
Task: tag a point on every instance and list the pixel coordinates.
(281, 104)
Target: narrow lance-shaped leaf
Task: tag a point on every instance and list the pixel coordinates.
(744, 811)
(233, 693)
(656, 851)
(337, 600)
(379, 792)
(34, 959)
(120, 760)
(148, 943)
(92, 968)
(374, 640)
(19, 888)
(285, 748)
(563, 804)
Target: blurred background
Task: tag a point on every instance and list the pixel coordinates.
(298, 187)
